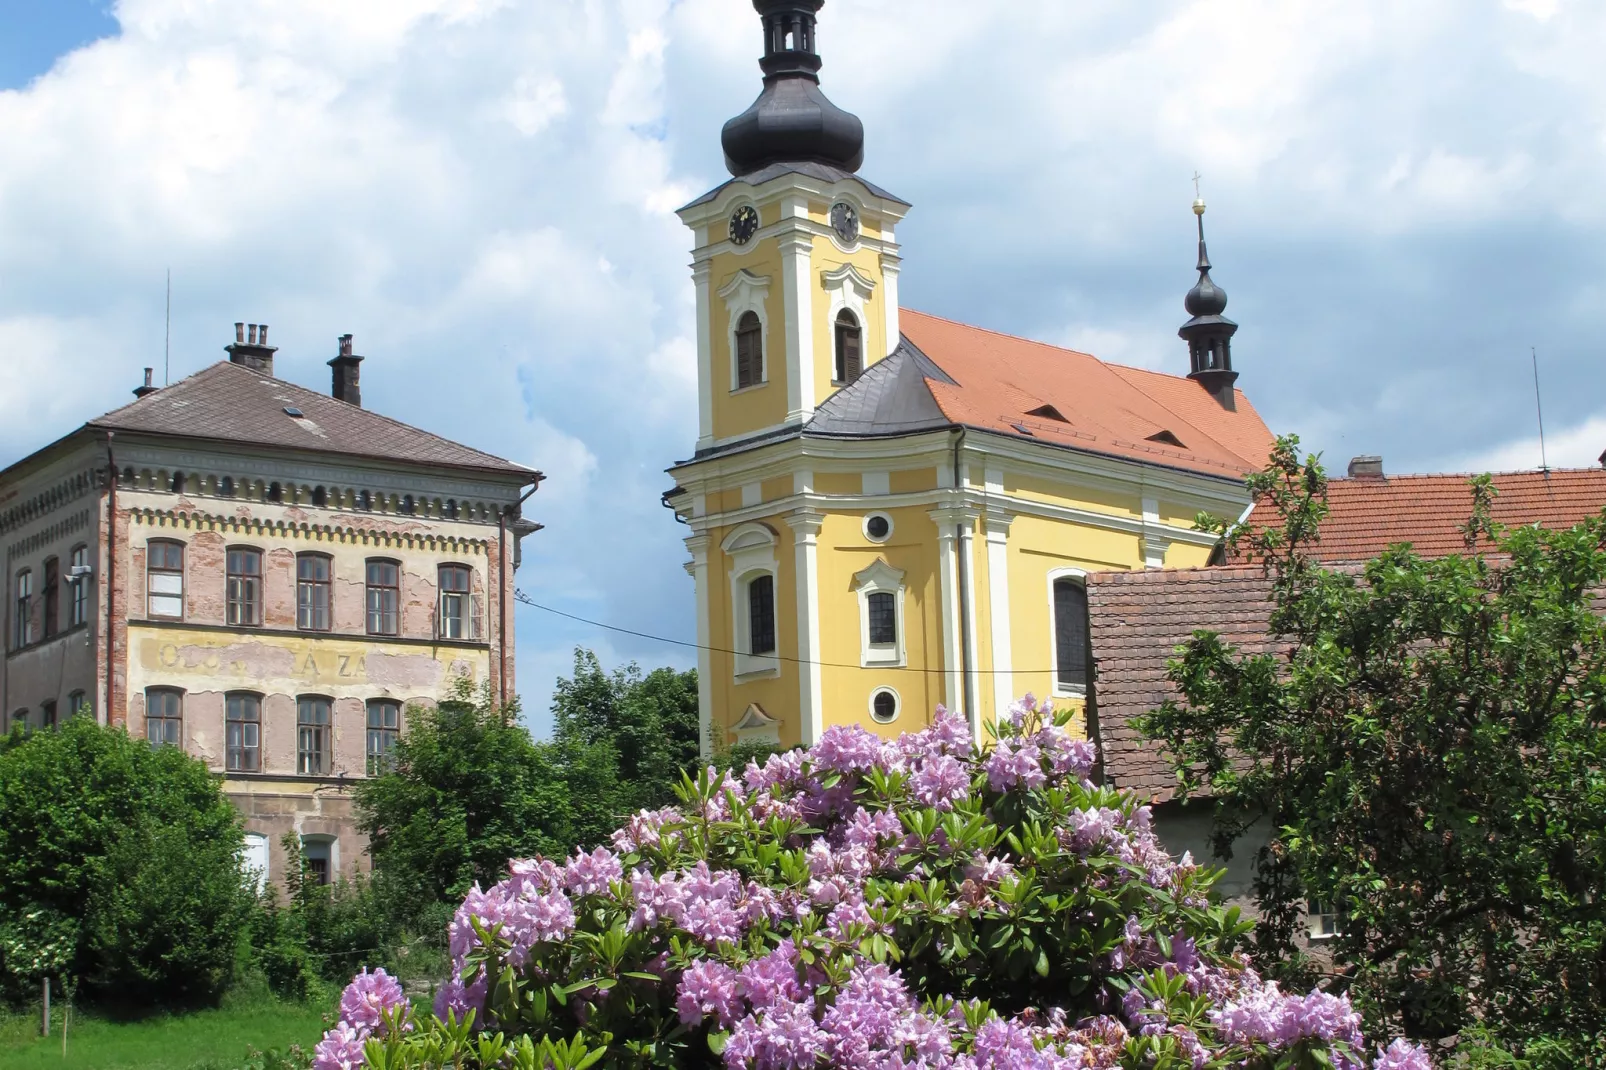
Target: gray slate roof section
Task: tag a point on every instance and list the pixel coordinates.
(811, 168)
(231, 403)
(890, 398)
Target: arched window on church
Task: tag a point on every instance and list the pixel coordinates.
(849, 356)
(1070, 636)
(749, 350)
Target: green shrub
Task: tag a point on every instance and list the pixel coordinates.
(123, 856)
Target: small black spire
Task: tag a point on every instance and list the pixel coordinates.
(792, 121)
(1209, 333)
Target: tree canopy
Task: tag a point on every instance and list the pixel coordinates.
(119, 866)
(1426, 752)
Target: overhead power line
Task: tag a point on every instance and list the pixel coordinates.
(520, 596)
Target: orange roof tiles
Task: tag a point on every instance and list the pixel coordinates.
(1107, 408)
(1366, 516)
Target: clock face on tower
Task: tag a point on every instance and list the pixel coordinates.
(845, 221)
(744, 224)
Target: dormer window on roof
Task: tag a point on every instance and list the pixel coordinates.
(1048, 412)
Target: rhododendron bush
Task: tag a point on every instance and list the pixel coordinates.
(862, 904)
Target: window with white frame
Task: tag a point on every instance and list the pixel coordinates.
(78, 579)
(744, 296)
(880, 589)
(1068, 604)
(1326, 921)
(318, 858)
(164, 578)
(849, 293)
(456, 618)
(22, 615)
(753, 569)
(254, 859)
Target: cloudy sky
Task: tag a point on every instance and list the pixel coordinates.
(1404, 198)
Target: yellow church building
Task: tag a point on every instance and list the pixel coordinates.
(890, 510)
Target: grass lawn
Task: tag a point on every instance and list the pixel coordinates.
(213, 1039)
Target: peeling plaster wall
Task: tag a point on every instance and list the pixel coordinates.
(59, 499)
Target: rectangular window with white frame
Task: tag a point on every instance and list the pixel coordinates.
(22, 611)
(1325, 921)
(78, 572)
(881, 595)
(455, 618)
(164, 579)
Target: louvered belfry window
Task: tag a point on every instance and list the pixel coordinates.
(1070, 634)
(849, 358)
(749, 350)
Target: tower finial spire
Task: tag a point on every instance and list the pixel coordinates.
(1208, 333)
(792, 121)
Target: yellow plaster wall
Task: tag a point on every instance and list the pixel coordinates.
(1186, 555)
(779, 487)
(838, 483)
(750, 409)
(1033, 488)
(912, 480)
(844, 551)
(1037, 547)
(778, 695)
(827, 257)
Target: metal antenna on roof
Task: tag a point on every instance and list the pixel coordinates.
(1544, 464)
(167, 340)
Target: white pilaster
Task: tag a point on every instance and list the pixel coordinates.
(1152, 542)
(796, 250)
(698, 568)
(805, 525)
(700, 273)
(997, 533)
(891, 264)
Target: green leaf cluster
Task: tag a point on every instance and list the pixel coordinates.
(119, 866)
(1426, 746)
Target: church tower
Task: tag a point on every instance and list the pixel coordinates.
(887, 511)
(795, 260)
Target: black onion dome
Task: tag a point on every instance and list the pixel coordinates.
(792, 120)
(1206, 298)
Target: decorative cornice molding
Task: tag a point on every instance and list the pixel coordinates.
(311, 532)
(845, 276)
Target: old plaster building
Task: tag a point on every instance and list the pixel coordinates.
(264, 575)
(890, 510)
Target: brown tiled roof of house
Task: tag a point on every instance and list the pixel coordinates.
(231, 403)
(1006, 384)
(1367, 516)
(1138, 619)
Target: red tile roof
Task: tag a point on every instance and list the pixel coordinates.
(1366, 516)
(1138, 619)
(1105, 408)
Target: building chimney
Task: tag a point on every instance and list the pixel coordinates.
(251, 348)
(141, 391)
(1366, 466)
(346, 367)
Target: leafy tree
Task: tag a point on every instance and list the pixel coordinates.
(126, 854)
(624, 738)
(469, 789)
(1427, 751)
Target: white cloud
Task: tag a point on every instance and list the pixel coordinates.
(1579, 446)
(1402, 195)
